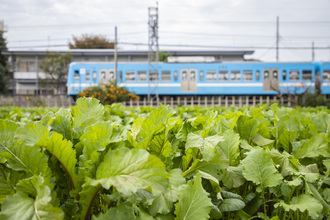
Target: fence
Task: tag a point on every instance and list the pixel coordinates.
(207, 101)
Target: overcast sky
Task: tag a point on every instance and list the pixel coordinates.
(183, 25)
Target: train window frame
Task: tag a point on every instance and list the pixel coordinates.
(293, 76)
(258, 75)
(165, 76)
(94, 75)
(130, 76)
(175, 75)
(266, 76)
(247, 73)
(120, 75)
(307, 73)
(153, 76)
(142, 76)
(326, 75)
(234, 74)
(223, 75)
(111, 78)
(212, 73)
(76, 75)
(201, 75)
(284, 75)
(103, 75)
(87, 76)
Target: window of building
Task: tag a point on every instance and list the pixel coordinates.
(247, 75)
(294, 75)
(258, 75)
(130, 76)
(307, 75)
(223, 75)
(201, 75)
(284, 75)
(142, 76)
(235, 75)
(166, 76)
(153, 76)
(211, 76)
(326, 75)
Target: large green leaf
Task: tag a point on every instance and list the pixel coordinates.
(121, 212)
(247, 128)
(130, 170)
(194, 202)
(32, 133)
(230, 146)
(23, 206)
(302, 203)
(62, 125)
(87, 108)
(314, 147)
(7, 132)
(233, 177)
(64, 153)
(206, 145)
(258, 167)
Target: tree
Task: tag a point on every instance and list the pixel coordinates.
(91, 42)
(4, 71)
(56, 68)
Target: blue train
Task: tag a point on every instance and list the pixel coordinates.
(173, 79)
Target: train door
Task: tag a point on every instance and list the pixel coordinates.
(188, 80)
(271, 80)
(107, 76)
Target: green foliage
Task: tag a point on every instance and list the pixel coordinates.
(4, 71)
(108, 94)
(56, 68)
(91, 42)
(100, 162)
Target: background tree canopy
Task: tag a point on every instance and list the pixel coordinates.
(4, 72)
(91, 42)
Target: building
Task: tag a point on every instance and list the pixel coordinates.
(26, 73)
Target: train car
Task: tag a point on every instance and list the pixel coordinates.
(202, 79)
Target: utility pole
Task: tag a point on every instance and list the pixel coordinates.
(153, 52)
(313, 53)
(277, 37)
(115, 56)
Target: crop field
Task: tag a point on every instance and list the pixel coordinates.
(109, 162)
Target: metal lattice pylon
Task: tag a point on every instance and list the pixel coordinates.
(153, 55)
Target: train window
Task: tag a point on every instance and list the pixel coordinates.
(129, 76)
(94, 76)
(326, 75)
(211, 76)
(184, 76)
(294, 75)
(111, 76)
(153, 76)
(235, 75)
(223, 75)
(307, 75)
(166, 76)
(120, 75)
(247, 75)
(201, 75)
(76, 74)
(193, 76)
(142, 76)
(87, 76)
(284, 75)
(175, 76)
(275, 75)
(258, 75)
(102, 76)
(266, 75)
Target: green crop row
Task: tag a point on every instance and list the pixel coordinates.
(108, 162)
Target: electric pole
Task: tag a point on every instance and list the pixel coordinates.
(277, 37)
(115, 55)
(153, 52)
(313, 53)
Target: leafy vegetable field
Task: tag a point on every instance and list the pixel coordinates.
(109, 162)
